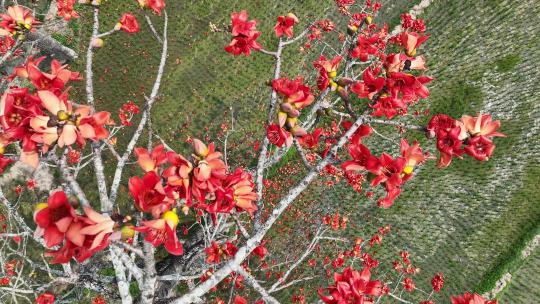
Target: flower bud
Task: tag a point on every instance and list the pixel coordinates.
(298, 131)
(286, 107)
(97, 43)
(408, 169)
(291, 122)
(171, 218)
(127, 232)
(293, 16)
(200, 148)
(369, 19)
(185, 210)
(282, 118)
(294, 113)
(352, 29)
(40, 206)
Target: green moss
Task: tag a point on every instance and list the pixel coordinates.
(507, 63)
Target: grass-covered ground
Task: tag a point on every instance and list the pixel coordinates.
(467, 220)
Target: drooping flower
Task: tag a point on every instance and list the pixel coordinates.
(285, 25)
(128, 23)
(468, 298)
(449, 145)
(149, 194)
(351, 286)
(163, 231)
(54, 218)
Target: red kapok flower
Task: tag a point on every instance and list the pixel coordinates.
(16, 20)
(327, 71)
(480, 147)
(369, 86)
(285, 25)
(468, 298)
(351, 286)
(437, 282)
(54, 218)
(151, 161)
(163, 230)
(482, 125)
(66, 9)
(241, 186)
(155, 5)
(411, 41)
(128, 23)
(244, 34)
(278, 136)
(45, 298)
(293, 92)
(149, 194)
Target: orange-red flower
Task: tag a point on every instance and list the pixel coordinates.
(278, 136)
(209, 171)
(241, 187)
(244, 34)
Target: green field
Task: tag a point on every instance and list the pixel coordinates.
(468, 220)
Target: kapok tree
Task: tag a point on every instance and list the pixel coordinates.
(197, 229)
